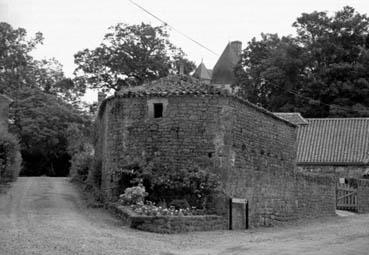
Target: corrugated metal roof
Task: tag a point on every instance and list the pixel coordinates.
(293, 117)
(342, 141)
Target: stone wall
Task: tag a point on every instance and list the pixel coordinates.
(261, 162)
(179, 224)
(251, 150)
(185, 135)
(316, 194)
(169, 224)
(339, 171)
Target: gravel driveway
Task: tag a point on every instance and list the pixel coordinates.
(47, 216)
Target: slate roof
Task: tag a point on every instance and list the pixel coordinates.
(223, 72)
(334, 141)
(202, 72)
(293, 117)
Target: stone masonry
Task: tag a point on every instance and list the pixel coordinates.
(252, 150)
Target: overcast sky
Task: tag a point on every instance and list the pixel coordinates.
(72, 25)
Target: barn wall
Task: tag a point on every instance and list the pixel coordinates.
(316, 194)
(338, 171)
(261, 167)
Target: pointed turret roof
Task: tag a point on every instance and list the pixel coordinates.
(202, 72)
(223, 72)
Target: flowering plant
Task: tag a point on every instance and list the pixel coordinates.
(150, 209)
(133, 195)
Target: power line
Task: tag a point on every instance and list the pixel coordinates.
(203, 46)
(173, 28)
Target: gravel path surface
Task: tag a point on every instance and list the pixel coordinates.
(47, 216)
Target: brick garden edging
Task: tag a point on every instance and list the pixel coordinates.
(169, 224)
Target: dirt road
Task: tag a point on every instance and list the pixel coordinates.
(47, 216)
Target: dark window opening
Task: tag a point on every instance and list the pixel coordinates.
(243, 147)
(158, 110)
(210, 154)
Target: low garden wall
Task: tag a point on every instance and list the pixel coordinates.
(169, 224)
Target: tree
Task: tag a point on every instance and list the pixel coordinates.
(268, 70)
(128, 56)
(322, 71)
(48, 75)
(42, 122)
(40, 113)
(15, 59)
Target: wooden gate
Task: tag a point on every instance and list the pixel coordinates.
(346, 197)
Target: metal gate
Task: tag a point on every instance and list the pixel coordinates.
(346, 197)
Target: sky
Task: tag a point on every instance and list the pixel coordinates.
(69, 26)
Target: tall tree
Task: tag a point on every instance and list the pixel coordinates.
(42, 121)
(128, 56)
(327, 70)
(40, 113)
(268, 70)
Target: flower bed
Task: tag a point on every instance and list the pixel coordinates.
(167, 223)
(150, 209)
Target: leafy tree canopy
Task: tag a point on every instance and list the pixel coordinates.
(128, 56)
(322, 71)
(40, 114)
(41, 121)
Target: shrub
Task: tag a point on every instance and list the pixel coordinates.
(10, 157)
(179, 204)
(133, 195)
(80, 166)
(164, 185)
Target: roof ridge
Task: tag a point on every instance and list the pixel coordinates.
(349, 118)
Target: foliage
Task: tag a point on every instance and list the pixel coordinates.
(18, 69)
(10, 159)
(15, 60)
(40, 121)
(49, 77)
(164, 185)
(150, 209)
(40, 113)
(80, 166)
(133, 195)
(129, 55)
(322, 71)
(179, 204)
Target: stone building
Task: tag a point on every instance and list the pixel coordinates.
(181, 120)
(338, 146)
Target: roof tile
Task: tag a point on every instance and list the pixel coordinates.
(334, 141)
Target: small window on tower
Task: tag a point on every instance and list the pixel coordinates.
(158, 110)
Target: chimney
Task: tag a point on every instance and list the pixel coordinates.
(237, 47)
(100, 97)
